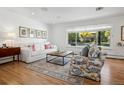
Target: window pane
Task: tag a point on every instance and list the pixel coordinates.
(104, 37)
(72, 39)
(84, 38)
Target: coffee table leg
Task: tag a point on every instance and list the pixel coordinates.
(46, 58)
(63, 61)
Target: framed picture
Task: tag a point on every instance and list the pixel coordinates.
(32, 33)
(122, 33)
(24, 32)
(44, 34)
(39, 34)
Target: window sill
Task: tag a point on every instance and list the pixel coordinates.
(74, 46)
(106, 48)
(103, 47)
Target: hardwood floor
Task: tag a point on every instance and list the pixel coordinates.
(18, 74)
(14, 73)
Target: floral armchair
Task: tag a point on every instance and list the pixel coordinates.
(89, 67)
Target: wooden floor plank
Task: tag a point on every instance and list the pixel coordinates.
(13, 73)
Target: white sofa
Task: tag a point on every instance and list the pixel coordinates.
(28, 55)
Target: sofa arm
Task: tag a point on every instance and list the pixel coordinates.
(102, 56)
(25, 53)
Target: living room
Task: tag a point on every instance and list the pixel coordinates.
(39, 35)
(67, 45)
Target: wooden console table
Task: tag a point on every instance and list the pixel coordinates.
(5, 52)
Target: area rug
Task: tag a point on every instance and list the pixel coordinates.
(56, 71)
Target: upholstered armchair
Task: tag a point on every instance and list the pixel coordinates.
(88, 67)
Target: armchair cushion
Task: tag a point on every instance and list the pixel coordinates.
(85, 67)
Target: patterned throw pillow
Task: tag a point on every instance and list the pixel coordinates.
(94, 52)
(48, 46)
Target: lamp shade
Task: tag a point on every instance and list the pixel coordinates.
(11, 35)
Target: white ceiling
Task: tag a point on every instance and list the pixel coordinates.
(52, 15)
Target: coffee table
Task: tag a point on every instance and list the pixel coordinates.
(58, 57)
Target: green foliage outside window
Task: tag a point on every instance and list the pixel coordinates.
(81, 38)
(72, 39)
(105, 38)
(87, 37)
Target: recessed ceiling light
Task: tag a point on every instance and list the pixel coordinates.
(32, 13)
(99, 8)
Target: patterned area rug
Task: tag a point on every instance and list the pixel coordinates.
(56, 71)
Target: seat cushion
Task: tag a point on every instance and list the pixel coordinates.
(35, 53)
(50, 50)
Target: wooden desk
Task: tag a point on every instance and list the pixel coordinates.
(5, 52)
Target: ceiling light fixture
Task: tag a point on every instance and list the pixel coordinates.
(99, 8)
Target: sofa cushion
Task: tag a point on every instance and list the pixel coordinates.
(42, 47)
(50, 50)
(35, 53)
(48, 46)
(37, 47)
(85, 51)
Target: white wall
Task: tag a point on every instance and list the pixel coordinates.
(10, 22)
(59, 32)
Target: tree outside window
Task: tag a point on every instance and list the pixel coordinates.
(102, 38)
(86, 38)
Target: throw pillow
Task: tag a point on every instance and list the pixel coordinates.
(33, 48)
(48, 46)
(94, 52)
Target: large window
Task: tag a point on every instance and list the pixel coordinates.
(101, 37)
(85, 38)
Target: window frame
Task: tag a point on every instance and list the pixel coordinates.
(106, 47)
(110, 37)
